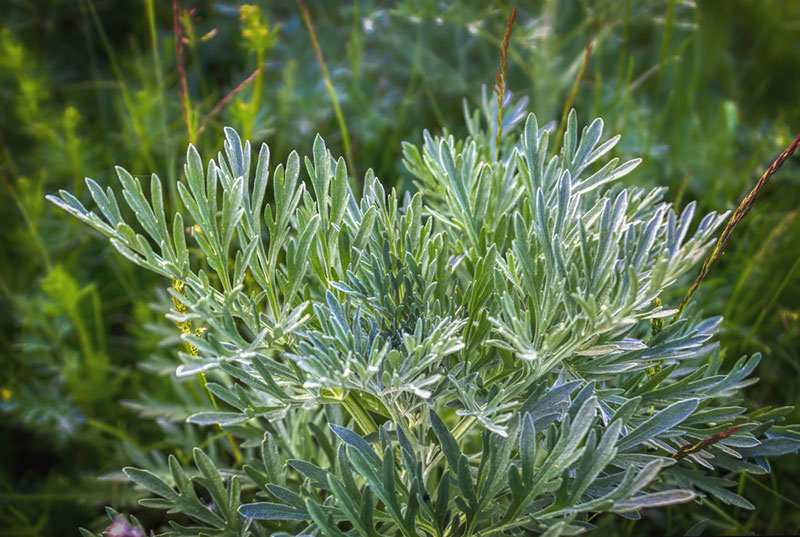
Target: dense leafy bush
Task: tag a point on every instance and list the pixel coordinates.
(486, 357)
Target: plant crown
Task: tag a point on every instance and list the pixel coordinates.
(486, 356)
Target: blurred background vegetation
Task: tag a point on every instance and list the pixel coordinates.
(705, 92)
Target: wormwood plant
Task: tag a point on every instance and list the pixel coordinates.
(487, 356)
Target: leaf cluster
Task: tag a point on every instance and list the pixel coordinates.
(484, 357)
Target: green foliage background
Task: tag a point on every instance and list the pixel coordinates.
(708, 90)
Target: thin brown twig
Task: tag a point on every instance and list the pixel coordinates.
(744, 208)
(500, 77)
(183, 90)
(222, 102)
(692, 447)
(572, 93)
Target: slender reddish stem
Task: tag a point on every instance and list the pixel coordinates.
(500, 77)
(222, 102)
(744, 208)
(183, 90)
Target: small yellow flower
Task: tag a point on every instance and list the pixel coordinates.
(255, 28)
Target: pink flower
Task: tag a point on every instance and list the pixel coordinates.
(122, 528)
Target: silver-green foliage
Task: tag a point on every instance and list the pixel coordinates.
(491, 338)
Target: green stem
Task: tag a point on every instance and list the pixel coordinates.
(771, 303)
(401, 423)
(562, 125)
(114, 431)
(97, 306)
(337, 109)
(236, 453)
(498, 529)
(127, 98)
(255, 100)
(667, 36)
(359, 415)
(32, 230)
(723, 514)
(771, 491)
